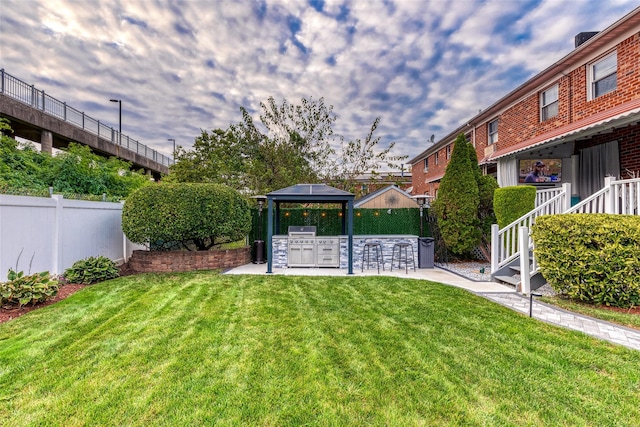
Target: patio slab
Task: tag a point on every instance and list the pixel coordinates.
(433, 274)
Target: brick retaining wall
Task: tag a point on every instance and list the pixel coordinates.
(174, 261)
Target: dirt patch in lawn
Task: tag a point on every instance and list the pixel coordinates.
(9, 313)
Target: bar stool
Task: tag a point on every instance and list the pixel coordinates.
(376, 246)
(403, 246)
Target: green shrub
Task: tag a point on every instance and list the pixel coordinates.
(510, 203)
(593, 258)
(91, 270)
(22, 290)
(458, 199)
(193, 215)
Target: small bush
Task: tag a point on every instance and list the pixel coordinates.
(91, 270)
(22, 290)
(593, 258)
(510, 203)
(192, 215)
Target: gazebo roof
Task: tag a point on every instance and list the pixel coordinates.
(310, 193)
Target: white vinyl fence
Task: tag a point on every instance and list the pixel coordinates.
(50, 234)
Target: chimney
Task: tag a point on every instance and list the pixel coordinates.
(583, 37)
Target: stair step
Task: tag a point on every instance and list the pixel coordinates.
(509, 279)
(517, 268)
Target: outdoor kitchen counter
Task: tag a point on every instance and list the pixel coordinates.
(280, 246)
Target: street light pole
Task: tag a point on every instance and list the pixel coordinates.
(119, 101)
(174, 149)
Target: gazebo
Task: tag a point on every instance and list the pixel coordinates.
(309, 193)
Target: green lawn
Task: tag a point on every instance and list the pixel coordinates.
(621, 318)
(205, 349)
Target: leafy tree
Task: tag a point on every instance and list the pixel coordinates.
(20, 163)
(292, 144)
(218, 156)
(75, 170)
(79, 170)
(456, 207)
(358, 157)
(307, 125)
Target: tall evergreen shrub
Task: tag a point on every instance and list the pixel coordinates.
(486, 187)
(456, 207)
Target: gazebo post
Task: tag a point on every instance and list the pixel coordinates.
(350, 231)
(269, 235)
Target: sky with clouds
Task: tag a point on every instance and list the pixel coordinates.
(423, 67)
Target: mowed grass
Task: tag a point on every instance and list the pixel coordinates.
(208, 349)
(627, 319)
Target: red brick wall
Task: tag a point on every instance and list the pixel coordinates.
(522, 122)
(419, 176)
(174, 261)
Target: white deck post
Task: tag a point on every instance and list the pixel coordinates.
(495, 248)
(525, 275)
(566, 188)
(610, 204)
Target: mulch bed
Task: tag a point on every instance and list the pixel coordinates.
(9, 313)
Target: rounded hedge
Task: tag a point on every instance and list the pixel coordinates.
(510, 203)
(592, 258)
(193, 215)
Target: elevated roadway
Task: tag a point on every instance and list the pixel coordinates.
(38, 117)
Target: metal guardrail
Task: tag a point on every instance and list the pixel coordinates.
(28, 94)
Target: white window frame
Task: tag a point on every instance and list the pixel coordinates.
(426, 164)
(591, 78)
(492, 137)
(547, 104)
(435, 158)
(448, 151)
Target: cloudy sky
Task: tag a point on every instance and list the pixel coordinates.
(424, 67)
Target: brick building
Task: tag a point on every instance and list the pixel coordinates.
(578, 118)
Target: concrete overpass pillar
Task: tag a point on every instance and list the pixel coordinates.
(46, 141)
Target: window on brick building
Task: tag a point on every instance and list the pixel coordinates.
(426, 164)
(549, 103)
(492, 132)
(603, 76)
(435, 158)
(448, 151)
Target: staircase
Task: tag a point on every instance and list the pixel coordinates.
(509, 243)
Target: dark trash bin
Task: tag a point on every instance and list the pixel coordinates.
(425, 252)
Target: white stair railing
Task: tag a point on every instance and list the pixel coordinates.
(617, 197)
(543, 196)
(504, 242)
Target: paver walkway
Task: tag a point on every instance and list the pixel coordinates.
(598, 328)
(496, 292)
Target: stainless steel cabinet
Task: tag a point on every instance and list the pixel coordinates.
(328, 252)
(313, 252)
